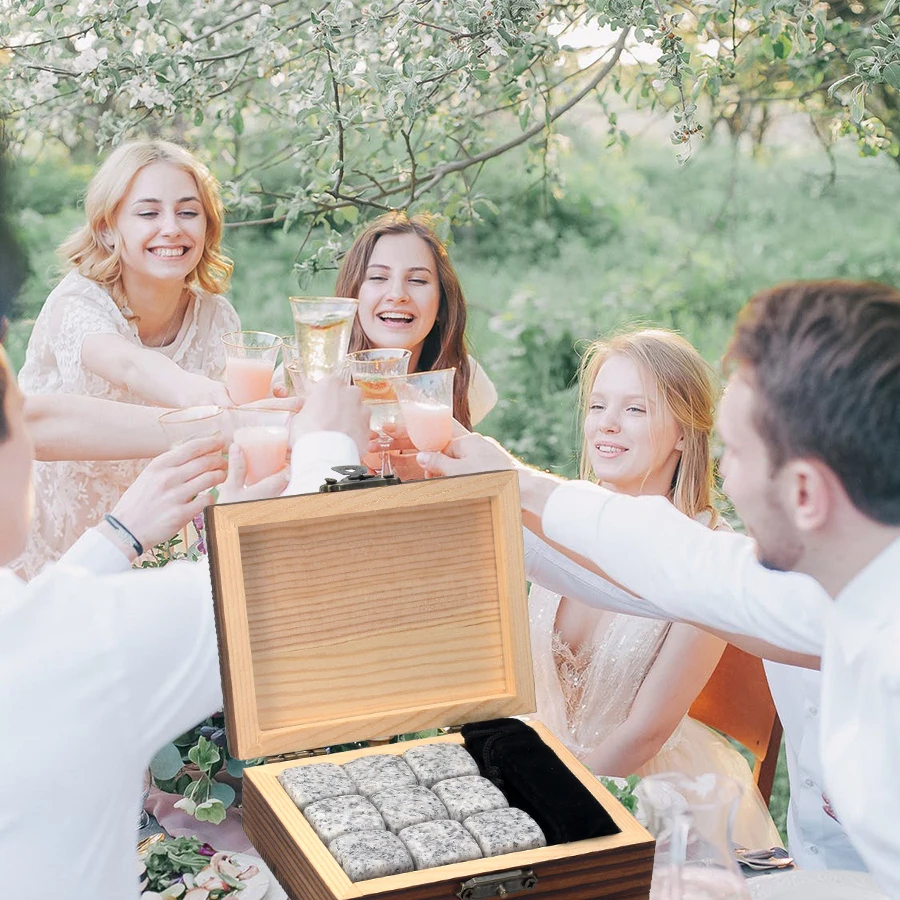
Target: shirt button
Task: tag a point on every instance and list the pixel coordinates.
(814, 849)
(814, 710)
(809, 782)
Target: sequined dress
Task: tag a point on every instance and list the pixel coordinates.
(583, 696)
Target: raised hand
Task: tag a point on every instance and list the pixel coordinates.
(466, 455)
(234, 489)
(171, 490)
(331, 405)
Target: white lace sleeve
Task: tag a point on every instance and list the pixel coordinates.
(71, 313)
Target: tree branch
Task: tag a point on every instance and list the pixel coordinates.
(340, 125)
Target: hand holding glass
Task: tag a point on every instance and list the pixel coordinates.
(262, 435)
(249, 364)
(426, 404)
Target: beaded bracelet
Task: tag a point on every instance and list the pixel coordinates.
(122, 531)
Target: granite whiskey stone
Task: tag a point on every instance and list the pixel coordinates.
(439, 843)
(408, 806)
(306, 784)
(436, 762)
(372, 774)
(502, 831)
(468, 795)
(334, 816)
(371, 854)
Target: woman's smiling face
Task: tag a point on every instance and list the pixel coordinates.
(161, 224)
(400, 294)
(632, 439)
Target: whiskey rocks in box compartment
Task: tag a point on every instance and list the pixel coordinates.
(468, 795)
(437, 762)
(306, 784)
(505, 831)
(334, 816)
(382, 772)
(371, 854)
(408, 806)
(439, 844)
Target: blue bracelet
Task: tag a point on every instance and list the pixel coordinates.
(121, 530)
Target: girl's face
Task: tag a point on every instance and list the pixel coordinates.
(633, 441)
(161, 224)
(400, 294)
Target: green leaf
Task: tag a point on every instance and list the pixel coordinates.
(481, 74)
(892, 74)
(222, 792)
(198, 116)
(211, 811)
(205, 754)
(167, 763)
(889, 7)
(858, 103)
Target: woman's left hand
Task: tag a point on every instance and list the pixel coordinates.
(235, 490)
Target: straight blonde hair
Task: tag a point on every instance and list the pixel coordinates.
(95, 248)
(684, 382)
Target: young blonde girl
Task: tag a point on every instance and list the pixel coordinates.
(616, 688)
(137, 319)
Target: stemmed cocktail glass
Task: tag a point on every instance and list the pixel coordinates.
(373, 372)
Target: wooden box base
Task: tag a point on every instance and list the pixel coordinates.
(618, 867)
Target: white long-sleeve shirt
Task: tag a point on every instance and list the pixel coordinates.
(100, 665)
(815, 839)
(711, 578)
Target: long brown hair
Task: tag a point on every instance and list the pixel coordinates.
(445, 344)
(684, 381)
(94, 255)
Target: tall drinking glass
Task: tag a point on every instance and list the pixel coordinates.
(249, 364)
(322, 326)
(373, 372)
(426, 404)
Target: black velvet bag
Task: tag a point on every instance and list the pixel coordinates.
(534, 779)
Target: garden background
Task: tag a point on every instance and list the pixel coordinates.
(567, 220)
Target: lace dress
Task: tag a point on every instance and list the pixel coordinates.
(583, 696)
(71, 496)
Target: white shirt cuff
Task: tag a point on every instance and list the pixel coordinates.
(313, 456)
(96, 553)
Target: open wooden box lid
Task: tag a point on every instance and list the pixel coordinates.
(366, 613)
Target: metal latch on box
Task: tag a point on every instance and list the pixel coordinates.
(501, 884)
(355, 477)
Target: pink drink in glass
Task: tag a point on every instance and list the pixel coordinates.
(265, 449)
(248, 379)
(430, 425)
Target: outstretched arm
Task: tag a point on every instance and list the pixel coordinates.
(151, 376)
(645, 545)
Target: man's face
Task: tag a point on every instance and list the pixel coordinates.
(760, 496)
(16, 456)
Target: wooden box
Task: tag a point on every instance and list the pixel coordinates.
(357, 615)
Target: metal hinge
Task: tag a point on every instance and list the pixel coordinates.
(501, 884)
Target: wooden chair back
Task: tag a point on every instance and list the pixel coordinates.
(736, 701)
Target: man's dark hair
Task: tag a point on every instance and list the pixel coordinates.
(12, 274)
(824, 358)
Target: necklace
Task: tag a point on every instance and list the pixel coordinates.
(168, 333)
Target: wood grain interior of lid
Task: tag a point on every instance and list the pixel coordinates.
(375, 612)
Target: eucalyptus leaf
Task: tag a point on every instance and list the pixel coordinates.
(167, 763)
(211, 811)
(223, 793)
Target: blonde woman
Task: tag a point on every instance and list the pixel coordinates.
(137, 319)
(616, 688)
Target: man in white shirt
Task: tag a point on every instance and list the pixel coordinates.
(100, 664)
(811, 427)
